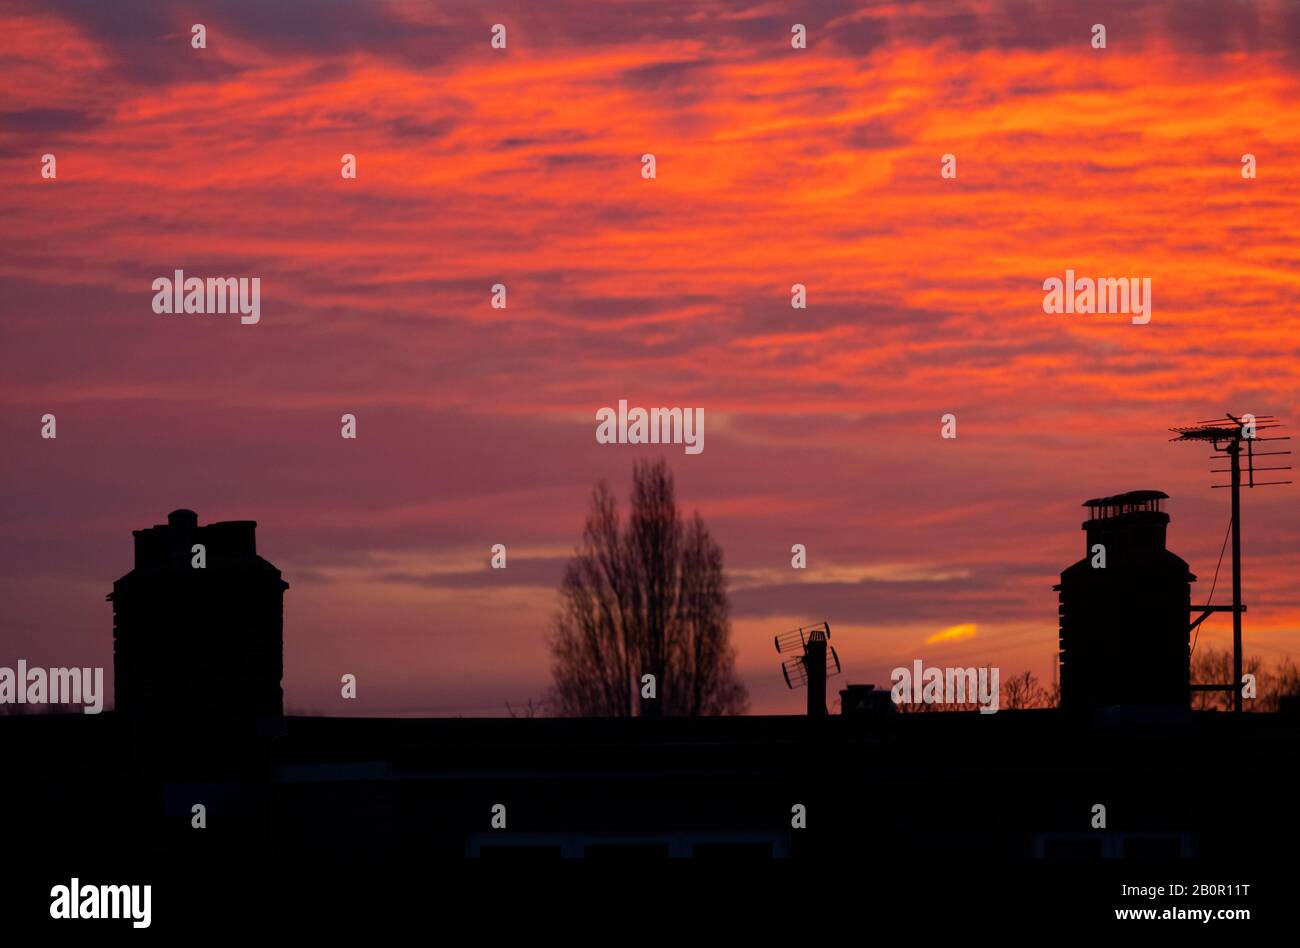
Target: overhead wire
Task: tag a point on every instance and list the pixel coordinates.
(1210, 599)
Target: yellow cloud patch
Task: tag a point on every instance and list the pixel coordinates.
(953, 633)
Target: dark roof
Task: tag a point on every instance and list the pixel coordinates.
(1130, 497)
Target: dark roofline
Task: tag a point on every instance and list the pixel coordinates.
(1129, 497)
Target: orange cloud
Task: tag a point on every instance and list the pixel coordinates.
(953, 633)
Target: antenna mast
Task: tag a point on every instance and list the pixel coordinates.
(816, 662)
(1227, 435)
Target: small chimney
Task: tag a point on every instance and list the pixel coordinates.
(815, 664)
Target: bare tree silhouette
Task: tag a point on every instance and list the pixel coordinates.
(1023, 691)
(1214, 666)
(645, 598)
(1283, 683)
(533, 709)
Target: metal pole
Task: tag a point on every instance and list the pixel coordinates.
(1234, 449)
(815, 664)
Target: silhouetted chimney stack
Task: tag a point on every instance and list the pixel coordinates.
(1124, 610)
(198, 625)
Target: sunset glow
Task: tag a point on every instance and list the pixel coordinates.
(522, 167)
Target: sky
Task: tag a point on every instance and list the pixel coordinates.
(523, 166)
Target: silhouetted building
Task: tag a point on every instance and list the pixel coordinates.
(866, 701)
(198, 639)
(1124, 624)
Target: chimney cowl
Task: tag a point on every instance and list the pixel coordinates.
(183, 519)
